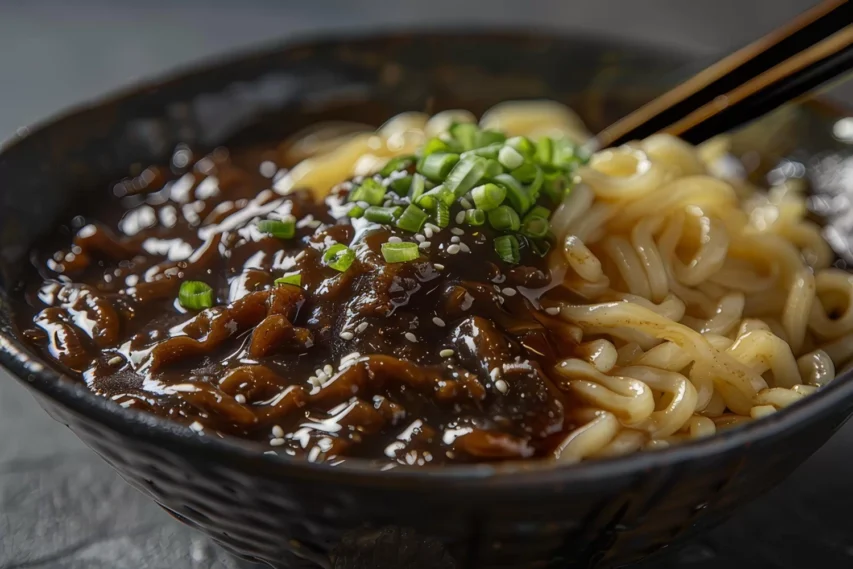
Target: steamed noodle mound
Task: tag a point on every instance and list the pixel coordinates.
(694, 302)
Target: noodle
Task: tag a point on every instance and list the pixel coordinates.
(700, 303)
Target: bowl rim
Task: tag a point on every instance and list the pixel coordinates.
(31, 370)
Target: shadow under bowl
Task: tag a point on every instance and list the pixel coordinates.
(292, 514)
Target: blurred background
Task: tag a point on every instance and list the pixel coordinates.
(62, 508)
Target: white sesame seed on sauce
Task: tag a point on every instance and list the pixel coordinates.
(328, 369)
(501, 386)
(509, 291)
(453, 249)
(196, 426)
(447, 353)
(411, 337)
(276, 442)
(419, 238)
(465, 203)
(454, 239)
(438, 266)
(460, 218)
(495, 374)
(424, 245)
(346, 335)
(457, 231)
(499, 279)
(553, 310)
(268, 169)
(115, 360)
(394, 239)
(465, 248)
(428, 232)
(240, 398)
(361, 328)
(277, 432)
(438, 321)
(435, 228)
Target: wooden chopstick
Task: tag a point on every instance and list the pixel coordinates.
(726, 75)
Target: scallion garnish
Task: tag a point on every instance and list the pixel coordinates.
(437, 166)
(516, 194)
(442, 214)
(538, 211)
(493, 168)
(395, 164)
(504, 218)
(506, 246)
(488, 196)
(465, 175)
(545, 150)
(195, 295)
(540, 246)
(510, 158)
(294, 279)
(339, 257)
(489, 137)
(417, 187)
(465, 134)
(386, 215)
(535, 227)
(400, 186)
(475, 217)
(434, 145)
(400, 252)
(522, 145)
(369, 191)
(412, 219)
(280, 228)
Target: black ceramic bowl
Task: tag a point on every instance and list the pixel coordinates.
(297, 514)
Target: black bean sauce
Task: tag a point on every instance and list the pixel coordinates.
(441, 359)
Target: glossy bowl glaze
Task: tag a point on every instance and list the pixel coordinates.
(300, 515)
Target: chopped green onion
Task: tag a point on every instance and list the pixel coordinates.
(504, 218)
(434, 145)
(355, 211)
(488, 196)
(506, 246)
(427, 201)
(465, 175)
(400, 252)
(465, 133)
(534, 187)
(555, 189)
(490, 151)
(339, 257)
(525, 173)
(400, 186)
(417, 187)
(195, 295)
(516, 195)
(442, 214)
(522, 145)
(437, 166)
(438, 193)
(510, 158)
(493, 168)
(540, 246)
(369, 191)
(397, 163)
(538, 211)
(386, 215)
(475, 217)
(294, 279)
(489, 137)
(413, 219)
(536, 227)
(281, 228)
(545, 150)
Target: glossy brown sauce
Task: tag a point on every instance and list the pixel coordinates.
(350, 364)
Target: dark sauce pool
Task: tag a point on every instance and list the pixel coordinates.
(443, 359)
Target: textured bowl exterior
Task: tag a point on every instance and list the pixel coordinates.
(299, 515)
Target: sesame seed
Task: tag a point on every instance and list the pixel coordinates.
(115, 360)
(465, 203)
(499, 279)
(277, 431)
(509, 291)
(457, 231)
(438, 321)
(465, 248)
(351, 356)
(197, 427)
(497, 288)
(300, 256)
(240, 398)
(434, 227)
(388, 203)
(419, 238)
(438, 266)
(460, 217)
(276, 442)
(448, 353)
(454, 239)
(453, 249)
(428, 232)
(495, 373)
(425, 245)
(346, 335)
(394, 239)
(553, 310)
(411, 337)
(501, 386)
(328, 369)
(361, 328)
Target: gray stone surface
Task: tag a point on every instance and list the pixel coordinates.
(63, 508)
